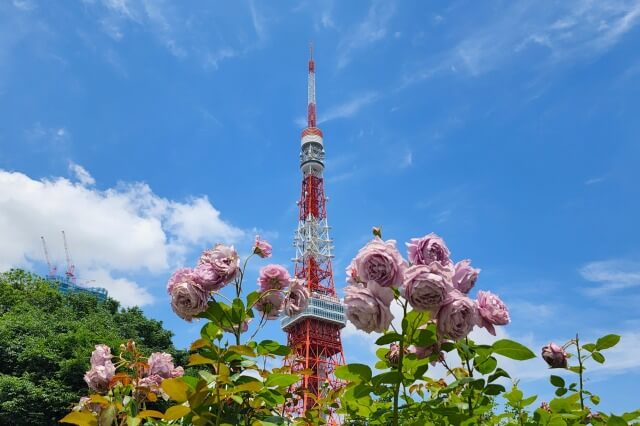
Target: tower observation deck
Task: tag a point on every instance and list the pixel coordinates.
(314, 334)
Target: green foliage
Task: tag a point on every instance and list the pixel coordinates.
(46, 339)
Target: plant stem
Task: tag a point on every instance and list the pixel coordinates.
(396, 392)
(466, 359)
(580, 373)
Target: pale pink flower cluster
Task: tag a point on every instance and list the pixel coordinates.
(273, 281)
(190, 288)
(430, 281)
(102, 369)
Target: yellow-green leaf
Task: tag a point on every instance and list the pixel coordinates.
(176, 389)
(150, 413)
(249, 386)
(80, 418)
(176, 412)
(99, 399)
(199, 343)
(197, 359)
(243, 350)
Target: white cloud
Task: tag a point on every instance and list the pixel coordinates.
(370, 30)
(569, 31)
(123, 230)
(611, 275)
(344, 110)
(594, 180)
(81, 174)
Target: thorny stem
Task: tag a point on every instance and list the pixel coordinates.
(580, 373)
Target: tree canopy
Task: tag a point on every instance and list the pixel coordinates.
(46, 339)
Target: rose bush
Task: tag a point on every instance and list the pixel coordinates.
(229, 386)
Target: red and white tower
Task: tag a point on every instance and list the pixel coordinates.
(314, 334)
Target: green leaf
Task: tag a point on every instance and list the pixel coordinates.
(557, 381)
(530, 400)
(237, 311)
(498, 373)
(590, 347)
(576, 369)
(390, 378)
(561, 391)
(486, 366)
(388, 338)
(616, 421)
(608, 341)
(513, 350)
(493, 389)
(597, 357)
(252, 298)
(595, 399)
(425, 337)
(356, 373)
(281, 380)
(272, 347)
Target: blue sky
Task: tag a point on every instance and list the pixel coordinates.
(149, 130)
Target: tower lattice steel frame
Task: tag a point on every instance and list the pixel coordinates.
(314, 334)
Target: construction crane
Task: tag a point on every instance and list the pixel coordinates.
(52, 268)
(71, 268)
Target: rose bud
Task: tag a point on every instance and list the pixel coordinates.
(554, 355)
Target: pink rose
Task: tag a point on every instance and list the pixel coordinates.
(99, 376)
(161, 364)
(270, 304)
(457, 316)
(297, 298)
(101, 355)
(492, 311)
(465, 276)
(428, 249)
(219, 266)
(273, 277)
(262, 248)
(368, 308)
(179, 276)
(378, 261)
(554, 355)
(188, 299)
(426, 287)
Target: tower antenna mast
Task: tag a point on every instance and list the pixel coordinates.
(314, 334)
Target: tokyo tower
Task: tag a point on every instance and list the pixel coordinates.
(314, 334)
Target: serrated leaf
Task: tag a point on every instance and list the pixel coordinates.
(590, 347)
(176, 389)
(80, 418)
(608, 341)
(557, 381)
(528, 401)
(176, 412)
(356, 373)
(388, 338)
(512, 350)
(561, 391)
